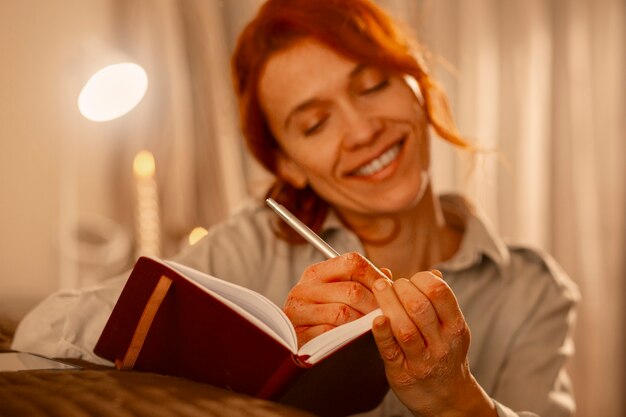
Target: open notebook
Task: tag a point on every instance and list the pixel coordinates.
(220, 333)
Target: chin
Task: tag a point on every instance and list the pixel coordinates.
(396, 201)
(408, 198)
(401, 204)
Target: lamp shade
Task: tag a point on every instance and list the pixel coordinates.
(113, 91)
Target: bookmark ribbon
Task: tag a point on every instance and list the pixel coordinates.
(143, 326)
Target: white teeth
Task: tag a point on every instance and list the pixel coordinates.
(379, 163)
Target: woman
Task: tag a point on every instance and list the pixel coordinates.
(336, 102)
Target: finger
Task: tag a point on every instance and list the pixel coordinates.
(351, 293)
(348, 267)
(386, 343)
(441, 297)
(387, 272)
(404, 330)
(306, 333)
(437, 272)
(419, 308)
(334, 314)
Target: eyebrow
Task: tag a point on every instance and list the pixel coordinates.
(315, 101)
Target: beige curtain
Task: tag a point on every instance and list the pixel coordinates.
(541, 82)
(188, 118)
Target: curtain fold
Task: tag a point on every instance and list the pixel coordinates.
(188, 118)
(152, 34)
(218, 151)
(589, 211)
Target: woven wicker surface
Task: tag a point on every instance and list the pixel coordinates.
(107, 392)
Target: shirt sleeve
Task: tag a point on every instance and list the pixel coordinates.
(235, 250)
(534, 376)
(68, 323)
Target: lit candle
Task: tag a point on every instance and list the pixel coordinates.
(147, 206)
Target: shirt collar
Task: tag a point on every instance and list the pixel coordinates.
(479, 236)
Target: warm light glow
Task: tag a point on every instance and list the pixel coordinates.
(143, 165)
(112, 92)
(197, 234)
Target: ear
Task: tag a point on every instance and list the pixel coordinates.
(289, 171)
(415, 87)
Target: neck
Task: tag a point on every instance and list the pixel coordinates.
(407, 242)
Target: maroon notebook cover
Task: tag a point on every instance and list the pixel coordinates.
(195, 335)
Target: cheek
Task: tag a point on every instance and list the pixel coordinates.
(320, 165)
(315, 159)
(422, 133)
(424, 146)
(317, 154)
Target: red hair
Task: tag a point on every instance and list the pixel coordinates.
(356, 29)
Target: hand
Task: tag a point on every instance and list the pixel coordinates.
(423, 339)
(331, 293)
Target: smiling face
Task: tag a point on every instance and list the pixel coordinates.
(355, 133)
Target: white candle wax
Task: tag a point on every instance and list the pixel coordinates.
(147, 219)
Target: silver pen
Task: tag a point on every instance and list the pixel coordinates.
(308, 234)
(302, 229)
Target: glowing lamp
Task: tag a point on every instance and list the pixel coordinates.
(112, 92)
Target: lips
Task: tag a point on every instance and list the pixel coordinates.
(379, 163)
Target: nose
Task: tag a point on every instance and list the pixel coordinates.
(361, 127)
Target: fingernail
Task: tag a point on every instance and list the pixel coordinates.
(380, 284)
(387, 272)
(437, 272)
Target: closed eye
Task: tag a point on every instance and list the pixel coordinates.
(316, 127)
(377, 87)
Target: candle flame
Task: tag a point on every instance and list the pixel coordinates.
(144, 165)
